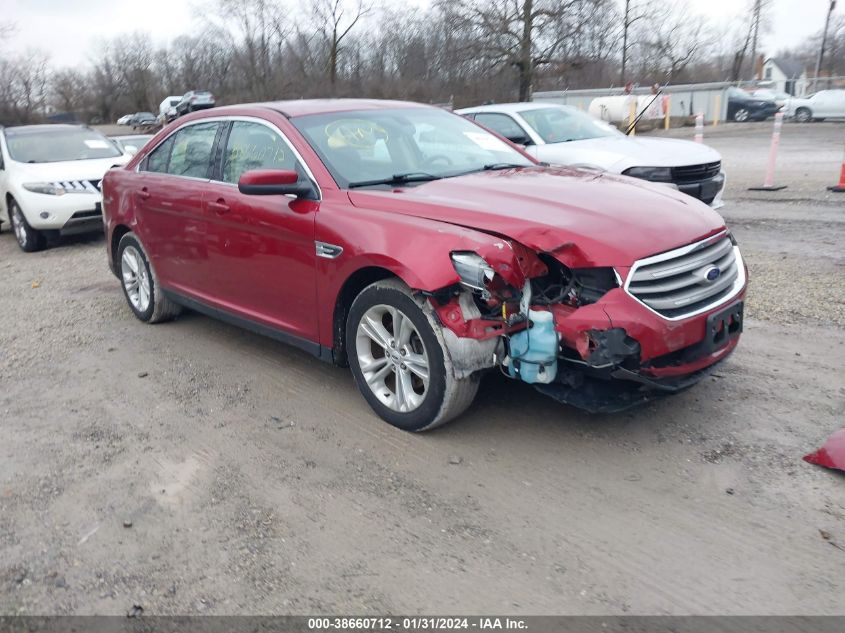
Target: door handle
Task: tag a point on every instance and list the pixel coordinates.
(144, 194)
(220, 207)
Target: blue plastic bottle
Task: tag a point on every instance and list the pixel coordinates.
(533, 352)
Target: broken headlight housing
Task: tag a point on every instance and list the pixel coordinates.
(571, 286)
(474, 271)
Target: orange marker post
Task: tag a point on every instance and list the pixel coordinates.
(769, 182)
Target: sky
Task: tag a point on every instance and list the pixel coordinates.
(68, 30)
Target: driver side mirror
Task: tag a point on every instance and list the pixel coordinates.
(274, 182)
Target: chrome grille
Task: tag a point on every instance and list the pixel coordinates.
(688, 280)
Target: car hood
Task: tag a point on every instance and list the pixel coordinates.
(618, 153)
(68, 170)
(586, 218)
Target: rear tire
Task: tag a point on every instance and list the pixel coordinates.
(412, 354)
(741, 115)
(140, 284)
(28, 238)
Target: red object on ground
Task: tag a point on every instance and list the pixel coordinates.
(831, 454)
(841, 186)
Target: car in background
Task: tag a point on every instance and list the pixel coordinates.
(824, 104)
(142, 119)
(780, 98)
(167, 109)
(193, 101)
(564, 135)
(331, 225)
(131, 144)
(742, 106)
(124, 120)
(50, 180)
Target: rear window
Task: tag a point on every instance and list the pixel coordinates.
(60, 144)
(188, 152)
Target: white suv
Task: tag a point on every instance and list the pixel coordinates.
(50, 180)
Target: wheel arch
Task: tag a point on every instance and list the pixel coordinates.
(117, 234)
(806, 109)
(351, 288)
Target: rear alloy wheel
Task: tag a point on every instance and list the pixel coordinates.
(28, 238)
(140, 284)
(741, 115)
(803, 115)
(400, 361)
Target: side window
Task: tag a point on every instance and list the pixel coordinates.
(502, 124)
(159, 157)
(254, 146)
(192, 147)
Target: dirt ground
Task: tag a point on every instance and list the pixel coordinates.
(191, 467)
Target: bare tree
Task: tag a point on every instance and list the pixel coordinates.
(523, 34)
(669, 45)
(335, 20)
(23, 88)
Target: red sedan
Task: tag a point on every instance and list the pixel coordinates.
(422, 251)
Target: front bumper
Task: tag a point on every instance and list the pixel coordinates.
(708, 191)
(649, 356)
(69, 213)
(623, 389)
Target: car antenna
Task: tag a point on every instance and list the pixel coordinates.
(659, 92)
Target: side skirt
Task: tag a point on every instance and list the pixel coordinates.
(321, 352)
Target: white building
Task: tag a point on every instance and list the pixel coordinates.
(785, 75)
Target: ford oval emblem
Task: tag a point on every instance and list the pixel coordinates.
(712, 273)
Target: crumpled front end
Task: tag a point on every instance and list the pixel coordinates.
(599, 338)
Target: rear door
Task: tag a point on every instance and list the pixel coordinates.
(169, 194)
(261, 248)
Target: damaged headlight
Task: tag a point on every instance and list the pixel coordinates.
(474, 271)
(571, 286)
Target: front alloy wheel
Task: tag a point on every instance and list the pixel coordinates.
(398, 356)
(803, 115)
(392, 358)
(28, 238)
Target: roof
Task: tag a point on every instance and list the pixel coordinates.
(301, 107)
(41, 127)
(792, 68)
(511, 107)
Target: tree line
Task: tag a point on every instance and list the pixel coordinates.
(460, 52)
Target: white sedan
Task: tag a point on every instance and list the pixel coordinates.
(821, 105)
(563, 135)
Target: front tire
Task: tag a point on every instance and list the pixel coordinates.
(28, 238)
(803, 115)
(399, 359)
(140, 284)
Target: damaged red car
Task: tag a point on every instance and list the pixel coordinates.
(421, 250)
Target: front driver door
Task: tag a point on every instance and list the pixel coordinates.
(261, 248)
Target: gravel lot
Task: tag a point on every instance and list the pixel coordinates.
(191, 467)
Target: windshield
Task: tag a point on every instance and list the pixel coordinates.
(55, 145)
(371, 145)
(559, 125)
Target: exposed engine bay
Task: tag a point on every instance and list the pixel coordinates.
(541, 321)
